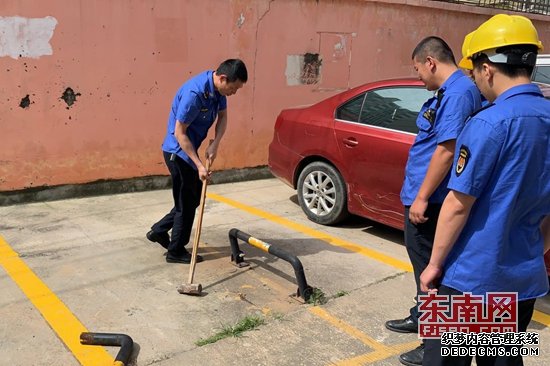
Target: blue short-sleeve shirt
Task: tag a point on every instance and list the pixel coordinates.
(503, 159)
(457, 98)
(196, 104)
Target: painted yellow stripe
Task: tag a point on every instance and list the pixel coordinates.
(259, 244)
(332, 240)
(378, 355)
(380, 352)
(352, 331)
(541, 318)
(58, 316)
(270, 283)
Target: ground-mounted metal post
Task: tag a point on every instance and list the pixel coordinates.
(237, 255)
(123, 341)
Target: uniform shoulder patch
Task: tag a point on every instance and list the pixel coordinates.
(462, 161)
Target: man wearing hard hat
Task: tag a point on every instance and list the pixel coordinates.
(494, 225)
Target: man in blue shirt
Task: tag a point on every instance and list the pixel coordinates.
(196, 106)
(439, 122)
(494, 226)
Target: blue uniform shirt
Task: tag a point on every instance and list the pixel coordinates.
(503, 159)
(460, 98)
(196, 104)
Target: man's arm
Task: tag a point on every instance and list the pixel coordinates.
(221, 126)
(440, 163)
(545, 228)
(454, 214)
(180, 132)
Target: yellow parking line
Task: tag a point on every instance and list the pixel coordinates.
(380, 352)
(332, 240)
(352, 331)
(541, 318)
(59, 317)
(270, 283)
(538, 316)
(377, 355)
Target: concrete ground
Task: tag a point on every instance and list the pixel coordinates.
(85, 265)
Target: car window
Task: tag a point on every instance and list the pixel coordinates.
(542, 74)
(351, 110)
(395, 107)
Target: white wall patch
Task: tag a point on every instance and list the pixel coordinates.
(26, 37)
(293, 69)
(240, 20)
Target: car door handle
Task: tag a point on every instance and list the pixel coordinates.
(350, 142)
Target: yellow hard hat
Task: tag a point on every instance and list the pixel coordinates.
(466, 63)
(499, 31)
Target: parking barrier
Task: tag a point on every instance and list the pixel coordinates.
(237, 256)
(111, 339)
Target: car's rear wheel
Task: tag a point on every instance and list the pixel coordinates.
(322, 193)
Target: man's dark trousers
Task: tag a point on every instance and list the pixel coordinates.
(186, 190)
(419, 241)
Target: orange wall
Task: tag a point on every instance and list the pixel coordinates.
(126, 59)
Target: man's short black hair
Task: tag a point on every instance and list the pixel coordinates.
(234, 69)
(435, 47)
(510, 70)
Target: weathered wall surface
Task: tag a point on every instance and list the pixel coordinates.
(86, 85)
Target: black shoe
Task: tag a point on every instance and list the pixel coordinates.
(161, 238)
(407, 325)
(414, 357)
(181, 258)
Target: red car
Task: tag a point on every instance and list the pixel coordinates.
(347, 154)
